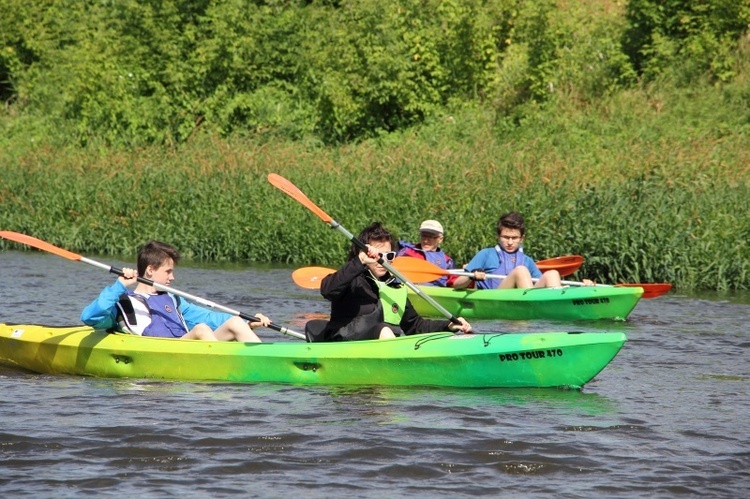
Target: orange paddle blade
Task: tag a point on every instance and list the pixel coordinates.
(291, 190)
(418, 270)
(650, 290)
(38, 244)
(566, 265)
(310, 277)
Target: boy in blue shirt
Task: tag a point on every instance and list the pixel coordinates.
(146, 311)
(507, 258)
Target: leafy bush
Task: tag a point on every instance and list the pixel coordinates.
(137, 72)
(686, 39)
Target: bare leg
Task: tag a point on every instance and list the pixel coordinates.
(236, 329)
(550, 279)
(200, 332)
(386, 334)
(519, 277)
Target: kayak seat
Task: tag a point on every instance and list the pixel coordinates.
(314, 330)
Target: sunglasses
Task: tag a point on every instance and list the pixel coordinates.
(388, 256)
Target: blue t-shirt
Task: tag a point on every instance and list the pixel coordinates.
(488, 260)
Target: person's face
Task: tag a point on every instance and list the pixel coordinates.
(510, 239)
(383, 247)
(164, 274)
(430, 241)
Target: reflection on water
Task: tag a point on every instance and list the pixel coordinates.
(733, 297)
(559, 400)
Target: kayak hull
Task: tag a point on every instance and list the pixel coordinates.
(566, 303)
(556, 359)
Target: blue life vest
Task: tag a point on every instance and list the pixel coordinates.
(437, 257)
(509, 261)
(166, 318)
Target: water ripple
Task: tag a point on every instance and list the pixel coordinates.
(667, 417)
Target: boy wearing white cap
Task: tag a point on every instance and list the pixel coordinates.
(428, 248)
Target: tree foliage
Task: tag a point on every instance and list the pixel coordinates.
(687, 39)
(155, 71)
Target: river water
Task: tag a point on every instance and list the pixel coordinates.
(669, 416)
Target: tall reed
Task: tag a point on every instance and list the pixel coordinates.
(643, 194)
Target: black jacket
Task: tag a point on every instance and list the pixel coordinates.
(353, 292)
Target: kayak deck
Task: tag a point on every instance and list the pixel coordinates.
(565, 303)
(555, 359)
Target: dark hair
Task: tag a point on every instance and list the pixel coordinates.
(512, 220)
(373, 233)
(154, 253)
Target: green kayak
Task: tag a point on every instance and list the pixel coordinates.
(557, 359)
(566, 303)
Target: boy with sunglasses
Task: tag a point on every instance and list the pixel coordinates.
(367, 302)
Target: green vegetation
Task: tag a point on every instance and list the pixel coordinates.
(619, 130)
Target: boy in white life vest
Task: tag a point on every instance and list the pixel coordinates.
(146, 311)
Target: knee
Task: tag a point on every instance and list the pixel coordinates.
(520, 274)
(553, 276)
(203, 332)
(236, 323)
(386, 333)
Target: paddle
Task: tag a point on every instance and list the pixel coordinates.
(310, 277)
(45, 246)
(424, 271)
(291, 190)
(650, 290)
(565, 265)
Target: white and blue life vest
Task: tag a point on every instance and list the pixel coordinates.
(151, 315)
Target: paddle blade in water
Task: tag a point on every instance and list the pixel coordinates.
(310, 277)
(566, 265)
(38, 244)
(650, 290)
(292, 191)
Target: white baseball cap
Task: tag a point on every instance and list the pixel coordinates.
(431, 226)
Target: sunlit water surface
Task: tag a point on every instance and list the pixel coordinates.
(669, 416)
